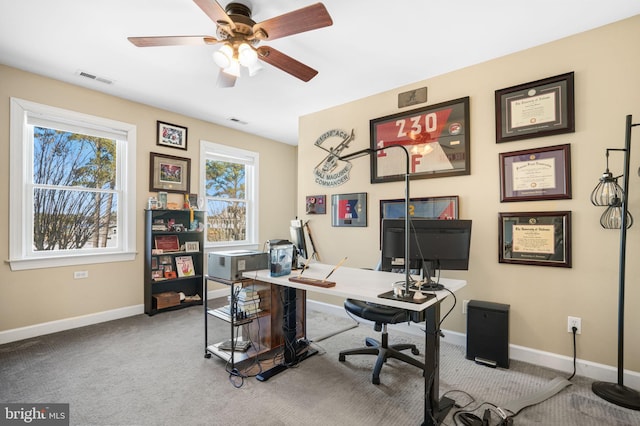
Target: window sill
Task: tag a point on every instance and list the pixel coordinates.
(52, 262)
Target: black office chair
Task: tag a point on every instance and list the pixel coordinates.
(381, 315)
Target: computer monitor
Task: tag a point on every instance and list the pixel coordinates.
(433, 245)
(298, 239)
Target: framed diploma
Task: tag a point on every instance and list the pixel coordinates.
(436, 137)
(536, 174)
(535, 238)
(531, 110)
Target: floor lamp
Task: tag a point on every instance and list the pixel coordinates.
(370, 151)
(608, 193)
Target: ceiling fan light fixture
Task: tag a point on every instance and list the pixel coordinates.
(246, 55)
(254, 68)
(233, 69)
(223, 57)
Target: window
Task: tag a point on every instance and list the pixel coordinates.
(229, 185)
(72, 188)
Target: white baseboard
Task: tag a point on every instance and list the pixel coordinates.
(68, 324)
(592, 370)
(550, 360)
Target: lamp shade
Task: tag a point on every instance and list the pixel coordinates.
(612, 216)
(606, 191)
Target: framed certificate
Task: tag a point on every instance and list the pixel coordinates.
(535, 238)
(540, 108)
(536, 174)
(436, 137)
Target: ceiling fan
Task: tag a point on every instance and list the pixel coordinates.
(239, 36)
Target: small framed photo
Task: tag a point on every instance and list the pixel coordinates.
(171, 135)
(165, 260)
(154, 262)
(169, 174)
(536, 174)
(193, 201)
(316, 204)
(190, 246)
(349, 209)
(535, 238)
(539, 108)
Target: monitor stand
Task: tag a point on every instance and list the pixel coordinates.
(295, 351)
(428, 269)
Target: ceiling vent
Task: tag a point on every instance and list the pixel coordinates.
(94, 77)
(237, 120)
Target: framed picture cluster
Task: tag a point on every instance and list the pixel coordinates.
(531, 110)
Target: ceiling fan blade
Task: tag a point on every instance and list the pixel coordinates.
(298, 21)
(225, 80)
(172, 41)
(215, 12)
(286, 63)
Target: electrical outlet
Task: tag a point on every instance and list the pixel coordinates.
(80, 274)
(574, 322)
(464, 307)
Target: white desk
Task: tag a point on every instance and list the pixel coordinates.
(366, 285)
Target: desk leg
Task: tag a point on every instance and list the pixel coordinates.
(435, 409)
(292, 352)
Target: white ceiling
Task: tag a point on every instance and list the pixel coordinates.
(373, 46)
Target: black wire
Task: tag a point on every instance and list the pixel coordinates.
(575, 330)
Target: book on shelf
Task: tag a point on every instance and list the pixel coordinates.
(184, 266)
(241, 300)
(226, 309)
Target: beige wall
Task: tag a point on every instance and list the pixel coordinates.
(43, 295)
(607, 88)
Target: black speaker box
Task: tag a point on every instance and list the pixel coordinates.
(488, 333)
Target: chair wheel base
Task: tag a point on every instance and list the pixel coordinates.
(341, 358)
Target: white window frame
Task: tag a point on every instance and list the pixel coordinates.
(21, 253)
(219, 152)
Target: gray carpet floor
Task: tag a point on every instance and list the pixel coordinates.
(152, 371)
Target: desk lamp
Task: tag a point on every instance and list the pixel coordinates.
(617, 393)
(370, 151)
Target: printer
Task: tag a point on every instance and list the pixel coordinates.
(229, 265)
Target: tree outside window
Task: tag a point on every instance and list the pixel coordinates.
(74, 198)
(229, 183)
